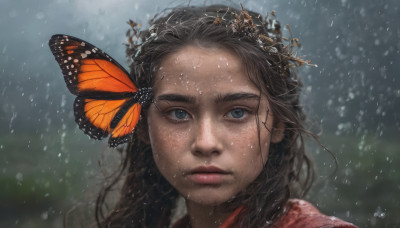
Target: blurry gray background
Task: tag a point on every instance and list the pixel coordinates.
(49, 168)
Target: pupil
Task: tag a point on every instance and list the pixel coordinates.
(237, 113)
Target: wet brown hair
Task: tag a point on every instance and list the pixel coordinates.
(146, 198)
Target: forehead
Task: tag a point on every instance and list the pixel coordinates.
(205, 69)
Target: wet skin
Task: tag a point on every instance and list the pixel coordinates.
(202, 127)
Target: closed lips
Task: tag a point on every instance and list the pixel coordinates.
(208, 169)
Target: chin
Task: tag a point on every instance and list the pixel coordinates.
(209, 198)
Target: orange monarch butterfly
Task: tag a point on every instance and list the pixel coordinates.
(108, 100)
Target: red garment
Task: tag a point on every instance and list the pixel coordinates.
(301, 214)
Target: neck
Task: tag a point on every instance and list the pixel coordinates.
(205, 216)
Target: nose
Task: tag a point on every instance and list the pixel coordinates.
(207, 138)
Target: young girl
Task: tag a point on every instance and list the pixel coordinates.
(224, 130)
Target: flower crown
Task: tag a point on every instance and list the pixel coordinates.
(267, 33)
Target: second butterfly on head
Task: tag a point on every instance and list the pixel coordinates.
(108, 100)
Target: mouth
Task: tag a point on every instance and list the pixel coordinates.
(208, 175)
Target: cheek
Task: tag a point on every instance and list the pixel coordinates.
(251, 152)
(167, 145)
(254, 143)
(158, 139)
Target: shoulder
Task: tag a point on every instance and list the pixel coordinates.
(302, 214)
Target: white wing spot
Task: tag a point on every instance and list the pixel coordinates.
(83, 44)
(84, 55)
(76, 60)
(69, 58)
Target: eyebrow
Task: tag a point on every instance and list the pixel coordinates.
(176, 98)
(237, 96)
(220, 99)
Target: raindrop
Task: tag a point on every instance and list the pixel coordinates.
(63, 100)
(44, 215)
(379, 213)
(40, 15)
(19, 177)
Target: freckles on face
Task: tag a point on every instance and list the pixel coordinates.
(203, 125)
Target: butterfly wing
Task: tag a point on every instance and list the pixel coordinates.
(95, 116)
(106, 102)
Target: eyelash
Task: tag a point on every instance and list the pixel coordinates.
(170, 114)
(246, 113)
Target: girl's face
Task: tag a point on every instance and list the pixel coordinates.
(203, 128)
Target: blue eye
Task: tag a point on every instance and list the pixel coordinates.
(179, 114)
(236, 113)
